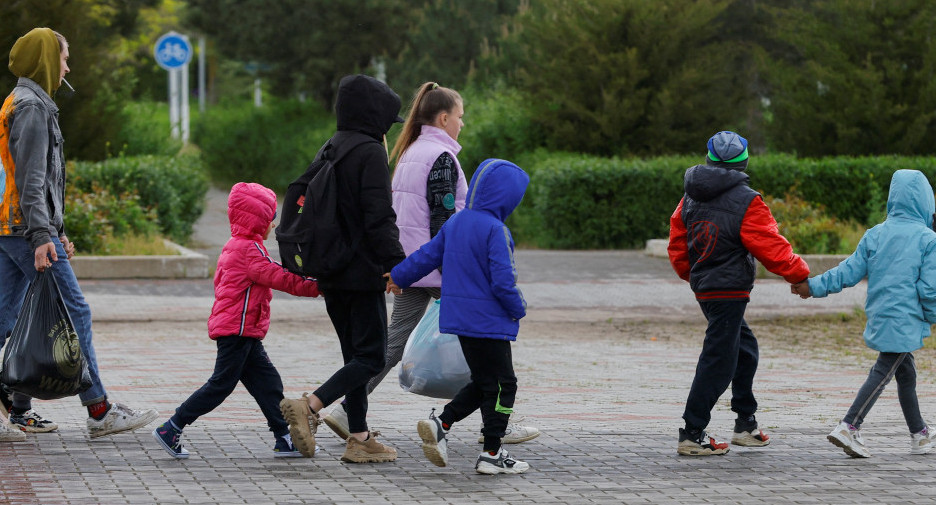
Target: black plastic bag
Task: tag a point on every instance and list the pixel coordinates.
(43, 357)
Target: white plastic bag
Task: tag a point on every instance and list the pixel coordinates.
(433, 363)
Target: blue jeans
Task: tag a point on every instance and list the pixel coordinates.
(17, 270)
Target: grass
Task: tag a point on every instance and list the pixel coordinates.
(136, 245)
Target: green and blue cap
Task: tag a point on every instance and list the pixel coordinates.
(727, 149)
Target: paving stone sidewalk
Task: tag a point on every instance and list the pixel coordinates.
(609, 408)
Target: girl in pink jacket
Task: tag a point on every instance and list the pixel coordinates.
(240, 317)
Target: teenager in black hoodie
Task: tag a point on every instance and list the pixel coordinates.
(355, 299)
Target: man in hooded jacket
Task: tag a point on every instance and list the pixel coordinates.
(354, 297)
(32, 229)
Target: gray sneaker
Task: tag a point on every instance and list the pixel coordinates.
(120, 418)
(849, 439)
(433, 434)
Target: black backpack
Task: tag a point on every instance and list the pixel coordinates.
(313, 240)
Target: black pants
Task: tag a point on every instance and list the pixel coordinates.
(729, 355)
(240, 359)
(493, 388)
(360, 319)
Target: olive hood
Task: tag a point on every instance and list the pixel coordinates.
(36, 56)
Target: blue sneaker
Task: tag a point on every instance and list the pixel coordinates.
(170, 438)
(284, 448)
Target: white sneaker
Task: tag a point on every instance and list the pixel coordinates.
(337, 420)
(516, 433)
(922, 442)
(499, 463)
(10, 434)
(120, 418)
(849, 439)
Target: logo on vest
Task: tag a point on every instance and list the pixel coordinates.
(704, 238)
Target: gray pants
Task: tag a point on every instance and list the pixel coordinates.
(408, 309)
(887, 366)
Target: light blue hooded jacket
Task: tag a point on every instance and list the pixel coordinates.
(480, 296)
(898, 257)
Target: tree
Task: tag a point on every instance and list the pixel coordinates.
(856, 78)
(94, 28)
(444, 39)
(621, 77)
(302, 45)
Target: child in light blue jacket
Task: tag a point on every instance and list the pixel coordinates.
(898, 257)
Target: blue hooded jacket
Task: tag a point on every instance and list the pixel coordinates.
(898, 257)
(480, 297)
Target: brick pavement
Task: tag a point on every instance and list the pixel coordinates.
(609, 408)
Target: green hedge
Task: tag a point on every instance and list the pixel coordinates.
(586, 202)
(172, 188)
(271, 145)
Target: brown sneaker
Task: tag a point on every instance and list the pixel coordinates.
(303, 423)
(368, 451)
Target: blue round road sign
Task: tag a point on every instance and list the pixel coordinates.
(172, 51)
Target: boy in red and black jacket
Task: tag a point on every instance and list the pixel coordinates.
(719, 227)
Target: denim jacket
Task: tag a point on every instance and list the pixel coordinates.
(32, 166)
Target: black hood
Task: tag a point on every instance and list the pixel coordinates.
(366, 105)
(705, 182)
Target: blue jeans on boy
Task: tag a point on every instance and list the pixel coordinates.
(17, 270)
(729, 355)
(889, 365)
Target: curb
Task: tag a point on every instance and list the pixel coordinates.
(187, 264)
(818, 263)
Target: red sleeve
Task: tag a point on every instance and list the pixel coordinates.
(263, 270)
(678, 247)
(760, 236)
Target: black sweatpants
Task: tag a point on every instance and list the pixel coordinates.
(493, 388)
(360, 319)
(240, 359)
(729, 356)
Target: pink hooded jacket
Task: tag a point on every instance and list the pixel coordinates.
(246, 273)
(409, 191)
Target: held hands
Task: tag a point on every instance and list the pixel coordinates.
(801, 289)
(391, 286)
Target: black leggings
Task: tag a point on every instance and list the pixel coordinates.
(360, 319)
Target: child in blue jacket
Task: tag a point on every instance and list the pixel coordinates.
(480, 303)
(898, 257)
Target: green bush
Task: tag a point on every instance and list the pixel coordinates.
(173, 188)
(810, 230)
(271, 145)
(498, 124)
(94, 217)
(145, 130)
(585, 202)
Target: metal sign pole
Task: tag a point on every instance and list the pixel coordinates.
(174, 103)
